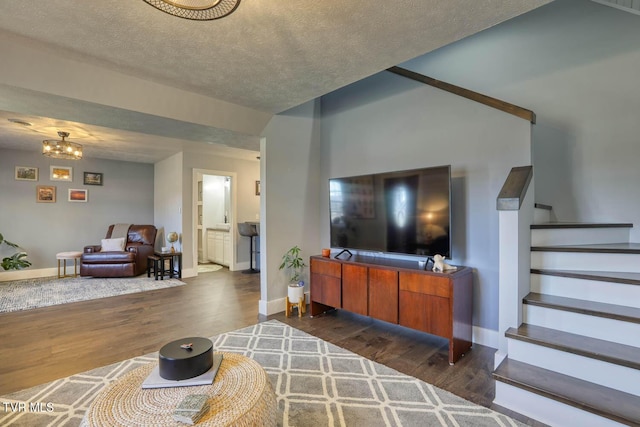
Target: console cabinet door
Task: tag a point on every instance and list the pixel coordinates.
(354, 289)
(325, 286)
(425, 303)
(218, 247)
(383, 294)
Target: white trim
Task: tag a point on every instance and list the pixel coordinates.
(232, 216)
(7, 276)
(485, 337)
(244, 265)
(189, 272)
(545, 410)
(268, 308)
(593, 370)
(617, 6)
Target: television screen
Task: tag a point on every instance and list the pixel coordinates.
(406, 212)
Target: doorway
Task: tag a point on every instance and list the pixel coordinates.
(214, 215)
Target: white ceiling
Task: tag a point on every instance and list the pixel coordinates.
(268, 56)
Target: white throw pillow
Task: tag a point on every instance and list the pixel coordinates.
(109, 245)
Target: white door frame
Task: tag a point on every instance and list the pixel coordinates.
(232, 216)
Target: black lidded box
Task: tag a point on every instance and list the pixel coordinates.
(185, 358)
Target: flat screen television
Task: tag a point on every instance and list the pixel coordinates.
(405, 212)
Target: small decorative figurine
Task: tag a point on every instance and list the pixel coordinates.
(440, 266)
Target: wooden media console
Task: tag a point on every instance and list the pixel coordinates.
(397, 291)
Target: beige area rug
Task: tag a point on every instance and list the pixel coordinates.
(43, 292)
(316, 384)
(208, 268)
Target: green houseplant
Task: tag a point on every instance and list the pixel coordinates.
(292, 261)
(15, 261)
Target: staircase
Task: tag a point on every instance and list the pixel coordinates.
(575, 359)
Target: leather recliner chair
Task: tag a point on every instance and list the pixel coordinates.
(132, 261)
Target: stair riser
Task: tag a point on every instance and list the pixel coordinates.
(590, 290)
(586, 261)
(546, 410)
(581, 324)
(578, 236)
(596, 371)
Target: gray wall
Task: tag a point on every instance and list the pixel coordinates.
(167, 202)
(44, 229)
(387, 123)
(290, 155)
(575, 63)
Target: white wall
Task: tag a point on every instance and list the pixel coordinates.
(388, 122)
(575, 63)
(292, 188)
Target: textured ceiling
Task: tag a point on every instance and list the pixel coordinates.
(267, 55)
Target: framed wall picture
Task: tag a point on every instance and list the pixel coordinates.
(257, 188)
(61, 173)
(45, 193)
(26, 173)
(78, 195)
(92, 178)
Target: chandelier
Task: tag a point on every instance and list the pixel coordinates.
(199, 10)
(62, 149)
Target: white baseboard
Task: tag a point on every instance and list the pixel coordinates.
(268, 308)
(240, 266)
(486, 337)
(189, 272)
(6, 276)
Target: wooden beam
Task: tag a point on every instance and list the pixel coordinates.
(523, 113)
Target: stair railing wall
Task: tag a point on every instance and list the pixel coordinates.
(515, 205)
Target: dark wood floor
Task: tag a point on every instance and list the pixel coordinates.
(45, 344)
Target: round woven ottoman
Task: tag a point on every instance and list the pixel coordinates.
(241, 395)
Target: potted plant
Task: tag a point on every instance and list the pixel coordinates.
(292, 262)
(15, 261)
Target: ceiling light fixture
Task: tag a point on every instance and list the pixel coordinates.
(198, 10)
(62, 149)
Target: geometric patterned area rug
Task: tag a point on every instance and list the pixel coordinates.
(43, 292)
(316, 384)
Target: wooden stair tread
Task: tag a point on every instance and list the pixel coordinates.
(592, 308)
(604, 248)
(602, 276)
(608, 351)
(556, 225)
(606, 402)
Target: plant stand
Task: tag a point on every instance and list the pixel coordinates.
(302, 307)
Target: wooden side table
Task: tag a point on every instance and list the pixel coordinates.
(175, 265)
